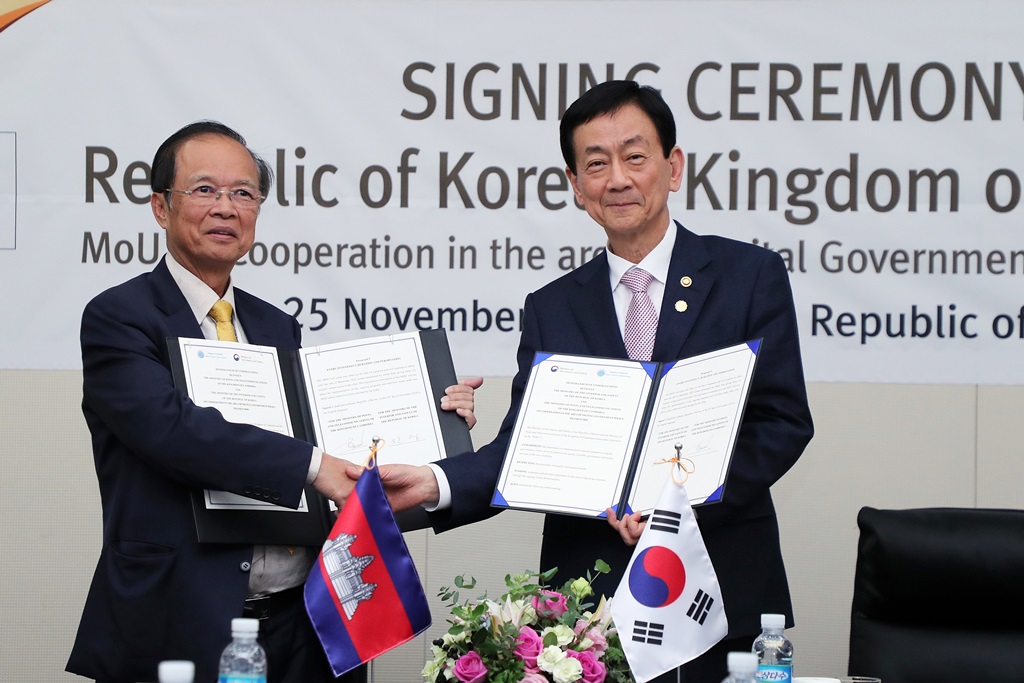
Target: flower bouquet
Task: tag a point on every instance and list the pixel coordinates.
(533, 634)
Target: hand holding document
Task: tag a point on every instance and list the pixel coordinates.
(370, 388)
(594, 433)
(338, 396)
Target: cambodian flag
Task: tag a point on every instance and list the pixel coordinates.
(363, 595)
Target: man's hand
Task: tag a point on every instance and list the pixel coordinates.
(629, 527)
(333, 479)
(459, 397)
(409, 485)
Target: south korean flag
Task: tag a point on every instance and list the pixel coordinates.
(668, 608)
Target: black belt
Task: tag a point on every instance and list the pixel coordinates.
(270, 605)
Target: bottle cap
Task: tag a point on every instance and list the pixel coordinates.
(176, 671)
(242, 625)
(742, 662)
(773, 621)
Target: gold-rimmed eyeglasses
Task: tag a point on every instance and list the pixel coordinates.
(207, 195)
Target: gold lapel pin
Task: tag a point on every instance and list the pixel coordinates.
(681, 306)
(686, 281)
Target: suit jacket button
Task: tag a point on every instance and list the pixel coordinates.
(247, 490)
(277, 495)
(245, 565)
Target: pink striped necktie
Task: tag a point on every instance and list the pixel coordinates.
(641, 318)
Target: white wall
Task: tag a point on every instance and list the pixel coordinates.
(888, 446)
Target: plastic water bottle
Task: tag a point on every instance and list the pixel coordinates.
(176, 671)
(742, 667)
(243, 660)
(774, 650)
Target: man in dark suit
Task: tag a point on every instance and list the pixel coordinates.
(618, 141)
(157, 593)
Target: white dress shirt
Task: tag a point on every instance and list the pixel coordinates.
(656, 263)
(274, 568)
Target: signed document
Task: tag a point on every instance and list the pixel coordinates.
(594, 433)
(368, 388)
(244, 382)
(336, 396)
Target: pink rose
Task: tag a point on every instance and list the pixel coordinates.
(594, 635)
(533, 677)
(600, 643)
(554, 605)
(470, 668)
(593, 670)
(529, 645)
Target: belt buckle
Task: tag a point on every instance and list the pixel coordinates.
(257, 607)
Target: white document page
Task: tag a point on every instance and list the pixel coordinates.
(243, 382)
(699, 404)
(570, 449)
(368, 388)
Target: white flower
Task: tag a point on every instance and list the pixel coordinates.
(550, 657)
(518, 612)
(448, 639)
(439, 661)
(494, 611)
(567, 670)
(581, 588)
(563, 633)
(430, 671)
(603, 616)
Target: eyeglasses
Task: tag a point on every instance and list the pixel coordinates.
(205, 195)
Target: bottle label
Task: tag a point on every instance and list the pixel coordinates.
(243, 678)
(775, 673)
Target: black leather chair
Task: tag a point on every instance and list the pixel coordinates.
(939, 596)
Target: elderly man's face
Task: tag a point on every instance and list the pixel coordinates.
(623, 178)
(208, 239)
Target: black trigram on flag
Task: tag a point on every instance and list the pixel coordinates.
(701, 606)
(648, 632)
(665, 520)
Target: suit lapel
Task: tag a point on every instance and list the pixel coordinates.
(686, 291)
(594, 311)
(252, 315)
(171, 302)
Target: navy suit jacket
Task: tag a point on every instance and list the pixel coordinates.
(737, 292)
(157, 593)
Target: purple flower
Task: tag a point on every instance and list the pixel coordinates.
(470, 668)
(554, 605)
(529, 645)
(593, 670)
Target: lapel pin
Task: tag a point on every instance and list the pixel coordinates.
(686, 281)
(681, 306)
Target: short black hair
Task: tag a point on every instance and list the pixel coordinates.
(162, 174)
(609, 97)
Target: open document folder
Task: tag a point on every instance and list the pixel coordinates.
(337, 396)
(594, 433)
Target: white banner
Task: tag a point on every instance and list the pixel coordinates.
(877, 145)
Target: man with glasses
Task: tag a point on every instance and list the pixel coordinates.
(698, 293)
(157, 593)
